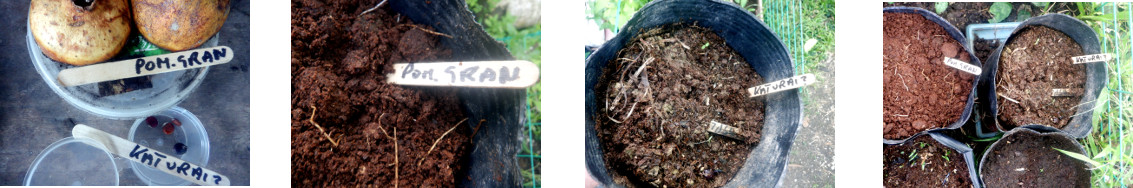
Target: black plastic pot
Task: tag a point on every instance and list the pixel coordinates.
(959, 147)
(750, 38)
(492, 161)
(1032, 131)
(959, 37)
(1081, 124)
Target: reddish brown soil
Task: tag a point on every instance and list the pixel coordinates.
(1026, 159)
(960, 14)
(923, 162)
(654, 126)
(1032, 64)
(383, 131)
(920, 92)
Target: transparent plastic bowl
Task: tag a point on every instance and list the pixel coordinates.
(191, 133)
(73, 161)
(168, 88)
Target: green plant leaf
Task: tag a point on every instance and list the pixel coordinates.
(1080, 157)
(1041, 4)
(1103, 153)
(941, 7)
(999, 11)
(1023, 14)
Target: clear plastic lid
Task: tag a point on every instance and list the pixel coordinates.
(168, 88)
(73, 161)
(191, 134)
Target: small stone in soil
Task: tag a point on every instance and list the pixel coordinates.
(176, 122)
(167, 128)
(709, 173)
(152, 121)
(180, 148)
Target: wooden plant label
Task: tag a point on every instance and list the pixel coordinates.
(963, 66)
(1092, 58)
(725, 130)
(1065, 92)
(781, 85)
(152, 158)
(144, 66)
(490, 74)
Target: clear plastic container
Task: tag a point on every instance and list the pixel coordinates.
(191, 133)
(168, 88)
(73, 161)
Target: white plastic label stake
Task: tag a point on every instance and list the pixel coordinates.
(1092, 58)
(1065, 92)
(964, 66)
(725, 130)
(780, 85)
(145, 66)
(494, 74)
(152, 158)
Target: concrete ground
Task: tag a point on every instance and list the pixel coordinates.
(32, 116)
(811, 162)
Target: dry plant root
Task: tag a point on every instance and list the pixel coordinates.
(439, 140)
(431, 32)
(312, 120)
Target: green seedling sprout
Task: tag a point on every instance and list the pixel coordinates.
(705, 45)
(946, 152)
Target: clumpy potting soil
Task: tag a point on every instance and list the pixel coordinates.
(1033, 63)
(1027, 159)
(653, 121)
(921, 93)
(924, 162)
(383, 132)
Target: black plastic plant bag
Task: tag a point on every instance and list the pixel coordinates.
(750, 38)
(492, 160)
(1081, 123)
(1032, 130)
(959, 37)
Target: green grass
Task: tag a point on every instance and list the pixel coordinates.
(524, 44)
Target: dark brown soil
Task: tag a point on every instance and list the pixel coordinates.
(1026, 159)
(920, 92)
(1033, 63)
(984, 48)
(654, 125)
(923, 162)
(383, 131)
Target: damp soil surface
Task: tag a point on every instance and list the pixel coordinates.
(1027, 159)
(1034, 63)
(920, 92)
(381, 133)
(653, 121)
(924, 162)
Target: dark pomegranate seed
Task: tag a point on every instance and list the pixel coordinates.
(180, 148)
(168, 128)
(176, 122)
(152, 121)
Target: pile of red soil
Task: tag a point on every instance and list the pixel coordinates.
(920, 92)
(657, 99)
(1033, 63)
(924, 162)
(383, 132)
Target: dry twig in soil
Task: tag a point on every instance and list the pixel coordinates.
(439, 140)
(375, 8)
(312, 120)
